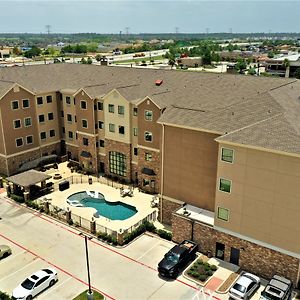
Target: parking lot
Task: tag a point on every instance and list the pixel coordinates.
(38, 241)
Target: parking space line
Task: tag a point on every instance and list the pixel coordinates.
(148, 251)
(11, 274)
(55, 266)
(54, 288)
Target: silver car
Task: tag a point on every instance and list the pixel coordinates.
(4, 251)
(244, 287)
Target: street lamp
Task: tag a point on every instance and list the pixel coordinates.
(90, 292)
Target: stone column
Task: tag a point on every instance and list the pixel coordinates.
(46, 207)
(26, 196)
(43, 184)
(93, 226)
(68, 215)
(1, 182)
(11, 186)
(120, 237)
(8, 190)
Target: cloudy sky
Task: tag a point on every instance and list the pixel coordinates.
(150, 16)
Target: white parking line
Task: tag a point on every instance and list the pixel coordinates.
(15, 255)
(148, 251)
(11, 274)
(53, 288)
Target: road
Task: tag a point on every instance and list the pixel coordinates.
(38, 241)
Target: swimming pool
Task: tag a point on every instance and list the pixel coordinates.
(111, 210)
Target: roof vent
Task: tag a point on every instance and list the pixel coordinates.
(159, 82)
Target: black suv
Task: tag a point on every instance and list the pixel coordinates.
(279, 288)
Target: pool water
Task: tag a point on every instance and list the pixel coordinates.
(111, 210)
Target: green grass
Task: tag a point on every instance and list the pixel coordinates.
(82, 296)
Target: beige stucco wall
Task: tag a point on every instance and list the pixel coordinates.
(116, 99)
(264, 199)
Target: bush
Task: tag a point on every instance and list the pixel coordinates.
(17, 198)
(165, 234)
(32, 204)
(213, 268)
(70, 222)
(202, 277)
(4, 296)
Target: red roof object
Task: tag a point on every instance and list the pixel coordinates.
(158, 81)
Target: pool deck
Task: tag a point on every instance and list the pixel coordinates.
(141, 201)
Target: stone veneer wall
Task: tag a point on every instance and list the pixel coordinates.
(123, 148)
(154, 164)
(167, 208)
(74, 150)
(49, 149)
(134, 169)
(88, 163)
(254, 258)
(3, 166)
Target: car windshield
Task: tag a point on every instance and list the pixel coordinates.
(172, 257)
(270, 296)
(239, 288)
(27, 284)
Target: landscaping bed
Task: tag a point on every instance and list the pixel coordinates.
(201, 270)
(228, 283)
(82, 296)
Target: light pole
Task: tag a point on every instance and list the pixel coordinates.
(90, 292)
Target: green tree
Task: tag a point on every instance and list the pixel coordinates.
(172, 62)
(271, 54)
(252, 71)
(89, 61)
(286, 63)
(98, 57)
(17, 51)
(241, 65)
(34, 51)
(4, 296)
(83, 61)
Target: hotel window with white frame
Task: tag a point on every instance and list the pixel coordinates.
(111, 127)
(15, 104)
(111, 108)
(52, 133)
(148, 136)
(84, 123)
(148, 156)
(69, 118)
(225, 185)
(27, 122)
(121, 130)
(19, 142)
(29, 139)
(100, 125)
(43, 135)
(41, 118)
(17, 124)
(50, 116)
(148, 115)
(83, 104)
(227, 155)
(100, 105)
(49, 99)
(39, 100)
(70, 134)
(121, 110)
(223, 214)
(25, 103)
(68, 100)
(135, 111)
(135, 131)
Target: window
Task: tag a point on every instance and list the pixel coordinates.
(148, 115)
(52, 133)
(69, 118)
(49, 99)
(70, 133)
(111, 127)
(135, 131)
(75, 118)
(27, 122)
(100, 105)
(17, 124)
(121, 129)
(148, 136)
(135, 151)
(101, 143)
(43, 135)
(19, 142)
(84, 123)
(223, 214)
(148, 156)
(25, 103)
(15, 104)
(83, 104)
(41, 118)
(39, 100)
(121, 110)
(50, 116)
(135, 111)
(227, 155)
(111, 108)
(100, 125)
(62, 114)
(85, 141)
(117, 163)
(146, 182)
(225, 185)
(29, 139)
(68, 100)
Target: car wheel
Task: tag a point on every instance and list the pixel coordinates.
(52, 282)
(29, 297)
(5, 254)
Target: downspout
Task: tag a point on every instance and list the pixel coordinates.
(162, 172)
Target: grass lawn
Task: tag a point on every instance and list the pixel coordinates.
(82, 296)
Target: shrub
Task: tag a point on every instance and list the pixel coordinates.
(114, 241)
(213, 268)
(4, 296)
(209, 272)
(202, 277)
(165, 234)
(17, 198)
(149, 226)
(70, 222)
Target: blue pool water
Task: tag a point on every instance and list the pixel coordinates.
(111, 210)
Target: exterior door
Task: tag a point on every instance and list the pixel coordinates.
(102, 170)
(220, 250)
(234, 256)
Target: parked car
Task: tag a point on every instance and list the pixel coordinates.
(177, 258)
(278, 288)
(4, 251)
(35, 284)
(244, 287)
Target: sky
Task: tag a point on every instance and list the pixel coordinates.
(142, 16)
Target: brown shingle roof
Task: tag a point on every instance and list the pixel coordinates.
(28, 178)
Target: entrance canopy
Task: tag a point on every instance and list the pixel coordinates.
(28, 178)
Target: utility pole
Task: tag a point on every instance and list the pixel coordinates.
(176, 30)
(127, 30)
(48, 29)
(207, 30)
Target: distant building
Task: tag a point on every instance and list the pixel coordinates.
(4, 53)
(190, 61)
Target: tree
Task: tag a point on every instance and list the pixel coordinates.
(172, 62)
(89, 61)
(34, 51)
(98, 57)
(4, 296)
(17, 51)
(286, 63)
(271, 54)
(252, 71)
(241, 65)
(83, 61)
